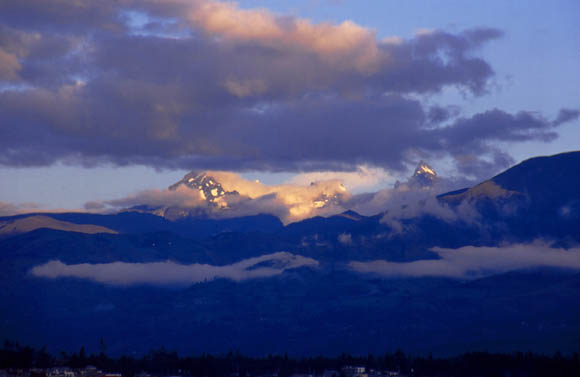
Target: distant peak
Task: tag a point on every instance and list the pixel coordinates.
(424, 169)
(350, 214)
(423, 177)
(209, 188)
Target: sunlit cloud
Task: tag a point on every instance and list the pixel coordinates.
(346, 43)
(303, 196)
(243, 197)
(363, 178)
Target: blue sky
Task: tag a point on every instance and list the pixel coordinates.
(535, 70)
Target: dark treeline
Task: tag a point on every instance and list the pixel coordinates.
(164, 363)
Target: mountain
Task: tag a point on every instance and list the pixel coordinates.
(215, 194)
(424, 176)
(210, 190)
(536, 198)
(548, 181)
(322, 285)
(133, 222)
(28, 224)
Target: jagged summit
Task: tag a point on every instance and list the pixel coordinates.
(210, 189)
(424, 169)
(220, 190)
(423, 177)
(350, 214)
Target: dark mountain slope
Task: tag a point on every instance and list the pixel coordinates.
(325, 309)
(137, 222)
(539, 198)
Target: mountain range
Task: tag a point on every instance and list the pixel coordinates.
(491, 267)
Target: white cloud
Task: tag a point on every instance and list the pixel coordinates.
(182, 196)
(364, 178)
(471, 262)
(171, 273)
(430, 206)
(407, 201)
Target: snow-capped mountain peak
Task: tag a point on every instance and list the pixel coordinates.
(221, 190)
(424, 169)
(423, 177)
(209, 188)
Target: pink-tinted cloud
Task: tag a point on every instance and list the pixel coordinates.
(346, 44)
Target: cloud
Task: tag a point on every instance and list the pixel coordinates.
(171, 273)
(65, 15)
(467, 139)
(364, 177)
(11, 209)
(183, 196)
(416, 205)
(209, 85)
(346, 43)
(566, 115)
(407, 200)
(302, 197)
(472, 262)
(290, 202)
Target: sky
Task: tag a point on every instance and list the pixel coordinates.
(99, 100)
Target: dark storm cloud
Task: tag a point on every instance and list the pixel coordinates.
(37, 59)
(438, 114)
(63, 15)
(205, 84)
(435, 59)
(496, 125)
(566, 115)
(473, 141)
